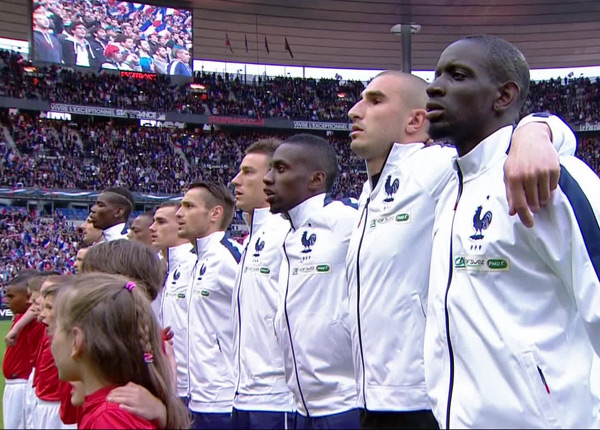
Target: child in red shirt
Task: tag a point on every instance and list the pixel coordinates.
(106, 336)
(50, 411)
(16, 364)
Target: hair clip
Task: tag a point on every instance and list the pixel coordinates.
(130, 286)
(148, 358)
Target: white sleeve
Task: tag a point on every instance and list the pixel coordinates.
(563, 138)
(569, 240)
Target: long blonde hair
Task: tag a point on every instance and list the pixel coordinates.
(122, 340)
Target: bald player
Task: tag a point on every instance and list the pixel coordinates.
(111, 212)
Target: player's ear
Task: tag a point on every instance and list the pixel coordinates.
(78, 341)
(317, 180)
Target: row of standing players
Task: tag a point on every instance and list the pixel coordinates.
(429, 305)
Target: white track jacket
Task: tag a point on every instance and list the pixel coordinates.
(388, 274)
(258, 361)
(514, 313)
(312, 318)
(210, 330)
(388, 270)
(174, 307)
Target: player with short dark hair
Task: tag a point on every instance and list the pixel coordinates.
(111, 212)
(173, 303)
(513, 317)
(262, 398)
(313, 310)
(205, 213)
(140, 228)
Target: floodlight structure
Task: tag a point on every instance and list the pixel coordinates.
(405, 31)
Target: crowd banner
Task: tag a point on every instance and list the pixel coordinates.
(234, 120)
(105, 111)
(322, 125)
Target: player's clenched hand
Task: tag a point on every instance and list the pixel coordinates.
(531, 171)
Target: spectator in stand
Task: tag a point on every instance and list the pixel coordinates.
(145, 54)
(113, 58)
(180, 64)
(98, 45)
(46, 46)
(161, 60)
(77, 51)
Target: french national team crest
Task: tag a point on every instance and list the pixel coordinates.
(308, 241)
(258, 247)
(481, 221)
(391, 188)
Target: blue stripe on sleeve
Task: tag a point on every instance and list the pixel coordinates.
(231, 248)
(588, 225)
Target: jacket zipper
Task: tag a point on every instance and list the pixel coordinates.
(287, 321)
(447, 317)
(239, 306)
(360, 344)
(191, 294)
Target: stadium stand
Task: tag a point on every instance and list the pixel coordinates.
(93, 155)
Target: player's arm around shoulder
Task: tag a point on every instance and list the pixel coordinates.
(532, 169)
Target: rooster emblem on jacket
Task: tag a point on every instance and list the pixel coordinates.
(391, 188)
(481, 223)
(308, 241)
(258, 247)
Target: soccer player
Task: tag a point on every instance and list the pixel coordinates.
(16, 364)
(111, 212)
(173, 309)
(312, 317)
(83, 249)
(513, 320)
(91, 235)
(140, 228)
(388, 284)
(262, 399)
(206, 211)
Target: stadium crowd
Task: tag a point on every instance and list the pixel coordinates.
(575, 99)
(30, 242)
(151, 160)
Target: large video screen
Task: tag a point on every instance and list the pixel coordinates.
(111, 34)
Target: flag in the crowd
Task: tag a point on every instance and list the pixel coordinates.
(228, 43)
(267, 45)
(287, 48)
(246, 42)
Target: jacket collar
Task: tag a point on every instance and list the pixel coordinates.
(260, 217)
(300, 214)
(177, 254)
(204, 243)
(398, 153)
(115, 232)
(492, 148)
